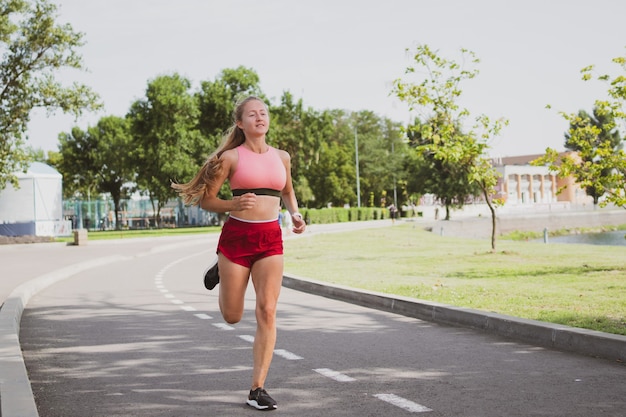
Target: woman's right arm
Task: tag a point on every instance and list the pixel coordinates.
(211, 202)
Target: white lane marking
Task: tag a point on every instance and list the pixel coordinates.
(169, 295)
(163, 290)
(287, 355)
(334, 375)
(279, 352)
(403, 403)
(188, 308)
(203, 316)
(177, 302)
(223, 326)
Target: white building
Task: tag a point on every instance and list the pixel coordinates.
(36, 207)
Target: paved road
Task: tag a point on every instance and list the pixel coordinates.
(139, 336)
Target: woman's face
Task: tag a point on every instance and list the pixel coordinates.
(255, 119)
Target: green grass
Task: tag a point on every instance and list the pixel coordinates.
(576, 285)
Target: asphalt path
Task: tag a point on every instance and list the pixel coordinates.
(138, 335)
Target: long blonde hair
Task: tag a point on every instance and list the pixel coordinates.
(193, 191)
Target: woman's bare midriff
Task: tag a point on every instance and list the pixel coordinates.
(266, 208)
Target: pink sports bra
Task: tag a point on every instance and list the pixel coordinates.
(260, 173)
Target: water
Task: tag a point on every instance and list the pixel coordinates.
(615, 238)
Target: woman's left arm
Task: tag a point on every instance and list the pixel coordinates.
(289, 196)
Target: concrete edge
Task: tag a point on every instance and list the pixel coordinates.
(16, 395)
(559, 337)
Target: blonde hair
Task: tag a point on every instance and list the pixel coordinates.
(193, 191)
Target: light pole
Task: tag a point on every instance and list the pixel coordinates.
(395, 193)
(356, 152)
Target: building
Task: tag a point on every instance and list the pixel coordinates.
(35, 208)
(524, 184)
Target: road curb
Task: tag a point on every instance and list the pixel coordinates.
(16, 395)
(553, 336)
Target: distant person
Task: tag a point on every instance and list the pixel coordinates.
(393, 213)
(288, 224)
(250, 244)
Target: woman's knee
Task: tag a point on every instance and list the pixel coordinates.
(231, 318)
(231, 315)
(266, 314)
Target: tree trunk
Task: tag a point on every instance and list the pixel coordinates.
(493, 218)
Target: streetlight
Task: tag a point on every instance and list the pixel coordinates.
(358, 185)
(395, 193)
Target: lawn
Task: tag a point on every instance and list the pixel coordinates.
(576, 285)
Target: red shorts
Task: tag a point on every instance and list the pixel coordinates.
(245, 243)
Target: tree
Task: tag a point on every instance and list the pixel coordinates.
(378, 139)
(332, 176)
(445, 178)
(298, 131)
(77, 162)
(217, 100)
(599, 161)
(457, 159)
(99, 160)
(34, 48)
(115, 169)
(168, 144)
(607, 135)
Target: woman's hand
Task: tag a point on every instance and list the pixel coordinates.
(244, 202)
(299, 225)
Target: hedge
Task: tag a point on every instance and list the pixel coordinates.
(341, 215)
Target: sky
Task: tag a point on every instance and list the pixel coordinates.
(345, 54)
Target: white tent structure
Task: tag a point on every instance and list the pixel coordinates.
(36, 207)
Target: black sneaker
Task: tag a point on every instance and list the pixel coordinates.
(211, 277)
(261, 400)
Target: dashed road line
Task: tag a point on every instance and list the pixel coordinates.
(285, 354)
(403, 403)
(392, 399)
(337, 376)
(223, 326)
(247, 338)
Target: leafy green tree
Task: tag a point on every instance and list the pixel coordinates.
(596, 130)
(598, 163)
(77, 162)
(378, 139)
(99, 160)
(300, 132)
(331, 173)
(455, 161)
(34, 48)
(445, 178)
(114, 165)
(168, 145)
(217, 100)
(607, 135)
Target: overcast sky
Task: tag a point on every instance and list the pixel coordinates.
(345, 54)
